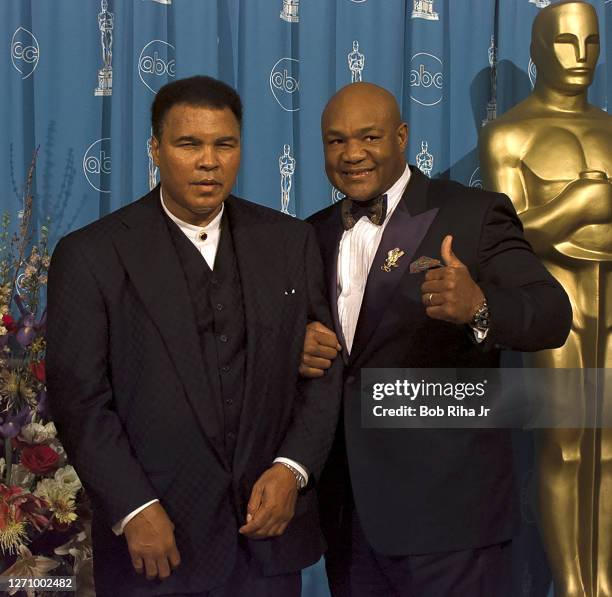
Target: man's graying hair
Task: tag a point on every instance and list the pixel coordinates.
(201, 91)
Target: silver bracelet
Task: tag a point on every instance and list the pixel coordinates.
(299, 478)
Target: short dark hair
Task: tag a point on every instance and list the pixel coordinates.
(194, 91)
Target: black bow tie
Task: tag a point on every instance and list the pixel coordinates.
(374, 209)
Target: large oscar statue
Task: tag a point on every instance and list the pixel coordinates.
(552, 154)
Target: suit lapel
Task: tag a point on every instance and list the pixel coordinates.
(148, 255)
(260, 262)
(405, 230)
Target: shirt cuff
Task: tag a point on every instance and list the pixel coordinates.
(295, 465)
(118, 528)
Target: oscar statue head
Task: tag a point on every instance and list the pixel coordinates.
(565, 46)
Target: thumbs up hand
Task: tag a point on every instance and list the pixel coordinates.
(449, 293)
(446, 251)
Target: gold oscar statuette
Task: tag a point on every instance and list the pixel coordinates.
(552, 155)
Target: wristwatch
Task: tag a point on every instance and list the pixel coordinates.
(480, 320)
(299, 478)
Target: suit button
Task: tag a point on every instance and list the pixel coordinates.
(223, 338)
(219, 307)
(225, 368)
(231, 435)
(229, 402)
(350, 379)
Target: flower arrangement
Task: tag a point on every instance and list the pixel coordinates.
(44, 520)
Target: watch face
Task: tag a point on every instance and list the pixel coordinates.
(481, 317)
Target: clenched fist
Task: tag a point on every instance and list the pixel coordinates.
(150, 539)
(321, 347)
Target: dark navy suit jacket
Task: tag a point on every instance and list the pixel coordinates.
(421, 491)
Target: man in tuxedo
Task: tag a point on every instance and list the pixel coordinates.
(175, 332)
(424, 512)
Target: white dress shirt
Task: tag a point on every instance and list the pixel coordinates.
(358, 247)
(204, 238)
(206, 241)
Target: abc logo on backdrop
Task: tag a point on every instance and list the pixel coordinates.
(25, 52)
(156, 64)
(97, 165)
(285, 84)
(426, 79)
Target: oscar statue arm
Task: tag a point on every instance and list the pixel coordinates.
(498, 148)
(583, 201)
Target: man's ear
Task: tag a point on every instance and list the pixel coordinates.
(402, 136)
(155, 149)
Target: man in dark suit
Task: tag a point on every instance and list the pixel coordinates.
(425, 512)
(175, 333)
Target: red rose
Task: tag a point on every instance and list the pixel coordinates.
(9, 322)
(39, 459)
(38, 370)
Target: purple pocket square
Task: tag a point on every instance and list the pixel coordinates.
(422, 264)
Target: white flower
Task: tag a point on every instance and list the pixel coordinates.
(29, 566)
(68, 478)
(79, 547)
(21, 476)
(60, 499)
(35, 433)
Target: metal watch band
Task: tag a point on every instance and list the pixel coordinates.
(299, 478)
(480, 319)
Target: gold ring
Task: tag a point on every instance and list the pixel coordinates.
(429, 298)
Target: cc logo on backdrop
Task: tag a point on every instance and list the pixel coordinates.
(285, 84)
(426, 79)
(156, 63)
(25, 52)
(97, 165)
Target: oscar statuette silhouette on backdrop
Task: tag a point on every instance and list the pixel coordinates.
(552, 154)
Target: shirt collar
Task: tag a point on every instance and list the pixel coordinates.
(395, 193)
(190, 229)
